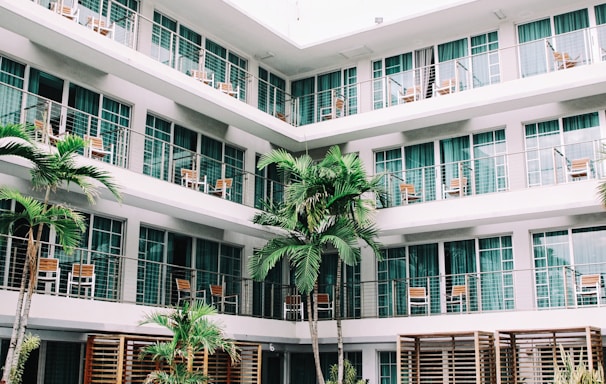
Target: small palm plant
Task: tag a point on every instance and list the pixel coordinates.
(349, 374)
(193, 332)
(570, 373)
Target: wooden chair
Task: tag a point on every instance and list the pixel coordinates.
(444, 88)
(324, 304)
(335, 110)
(96, 149)
(81, 276)
(46, 132)
(72, 13)
(409, 95)
(588, 286)
(218, 296)
(189, 179)
(458, 297)
(205, 77)
(185, 292)
(229, 89)
(293, 307)
(49, 272)
(408, 193)
(222, 188)
(100, 26)
(417, 297)
(563, 60)
(457, 187)
(579, 168)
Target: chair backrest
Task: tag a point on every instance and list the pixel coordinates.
(459, 290)
(339, 103)
(48, 265)
(183, 285)
(459, 182)
(579, 164)
(590, 280)
(323, 298)
(226, 87)
(417, 292)
(83, 270)
(292, 299)
(216, 290)
(95, 142)
(189, 174)
(407, 188)
(223, 183)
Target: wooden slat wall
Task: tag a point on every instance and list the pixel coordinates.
(530, 356)
(114, 359)
(446, 358)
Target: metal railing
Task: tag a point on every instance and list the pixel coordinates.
(468, 292)
(554, 53)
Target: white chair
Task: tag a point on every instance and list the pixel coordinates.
(184, 292)
(458, 297)
(417, 297)
(218, 296)
(457, 187)
(189, 179)
(589, 286)
(579, 168)
(222, 188)
(324, 303)
(444, 88)
(96, 149)
(408, 193)
(49, 272)
(46, 132)
(335, 109)
(229, 89)
(293, 307)
(81, 276)
(72, 13)
(100, 26)
(409, 95)
(205, 77)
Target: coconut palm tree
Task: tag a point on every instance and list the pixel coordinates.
(325, 208)
(193, 332)
(50, 171)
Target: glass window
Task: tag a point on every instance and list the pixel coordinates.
(455, 155)
(272, 94)
(150, 278)
(156, 153)
(388, 368)
(551, 259)
(389, 162)
(490, 161)
(420, 170)
(496, 278)
(391, 275)
(485, 65)
(12, 77)
(164, 41)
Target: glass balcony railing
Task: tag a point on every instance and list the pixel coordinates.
(544, 287)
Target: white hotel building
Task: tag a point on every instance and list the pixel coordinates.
(486, 117)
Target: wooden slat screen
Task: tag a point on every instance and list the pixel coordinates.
(446, 358)
(530, 356)
(114, 359)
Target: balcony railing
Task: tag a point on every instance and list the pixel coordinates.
(563, 51)
(466, 292)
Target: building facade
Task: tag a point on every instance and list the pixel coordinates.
(486, 123)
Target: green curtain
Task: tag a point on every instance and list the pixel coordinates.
(207, 263)
(420, 170)
(455, 156)
(391, 275)
(234, 168)
(398, 70)
(425, 271)
(551, 255)
(13, 74)
(496, 279)
(489, 152)
(460, 260)
(151, 259)
(485, 64)
(389, 162)
(303, 93)
(268, 294)
(531, 36)
(215, 60)
(190, 44)
(62, 362)
(83, 120)
(212, 157)
(185, 144)
(327, 85)
(156, 153)
(581, 136)
(163, 39)
(106, 247)
(452, 58)
(571, 21)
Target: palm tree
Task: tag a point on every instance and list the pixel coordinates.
(192, 332)
(324, 208)
(50, 171)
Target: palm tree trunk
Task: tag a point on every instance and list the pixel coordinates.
(312, 318)
(338, 318)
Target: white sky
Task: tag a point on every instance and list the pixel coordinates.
(311, 21)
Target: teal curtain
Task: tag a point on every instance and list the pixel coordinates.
(420, 170)
(388, 368)
(398, 70)
(106, 247)
(215, 60)
(425, 271)
(272, 93)
(234, 168)
(392, 282)
(485, 63)
(164, 40)
(83, 119)
(453, 59)
(151, 259)
(551, 259)
(62, 362)
(190, 44)
(207, 263)
(533, 49)
(587, 250)
(212, 157)
(389, 162)
(570, 34)
(490, 162)
(115, 128)
(238, 74)
(49, 88)
(455, 155)
(327, 84)
(581, 136)
(303, 93)
(571, 21)
(178, 263)
(268, 294)
(11, 74)
(460, 264)
(156, 153)
(184, 151)
(541, 141)
(496, 278)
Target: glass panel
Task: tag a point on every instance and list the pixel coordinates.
(389, 162)
(150, 270)
(164, 40)
(490, 164)
(190, 45)
(551, 259)
(391, 276)
(425, 271)
(156, 154)
(388, 368)
(303, 95)
(62, 363)
(533, 48)
(420, 170)
(485, 59)
(12, 75)
(87, 101)
(496, 265)
(215, 60)
(541, 140)
(455, 155)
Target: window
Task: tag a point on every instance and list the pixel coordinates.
(12, 78)
(486, 68)
(392, 275)
(490, 161)
(388, 368)
(389, 162)
(149, 273)
(269, 184)
(218, 263)
(496, 278)
(397, 77)
(272, 93)
(226, 66)
(156, 153)
(164, 42)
